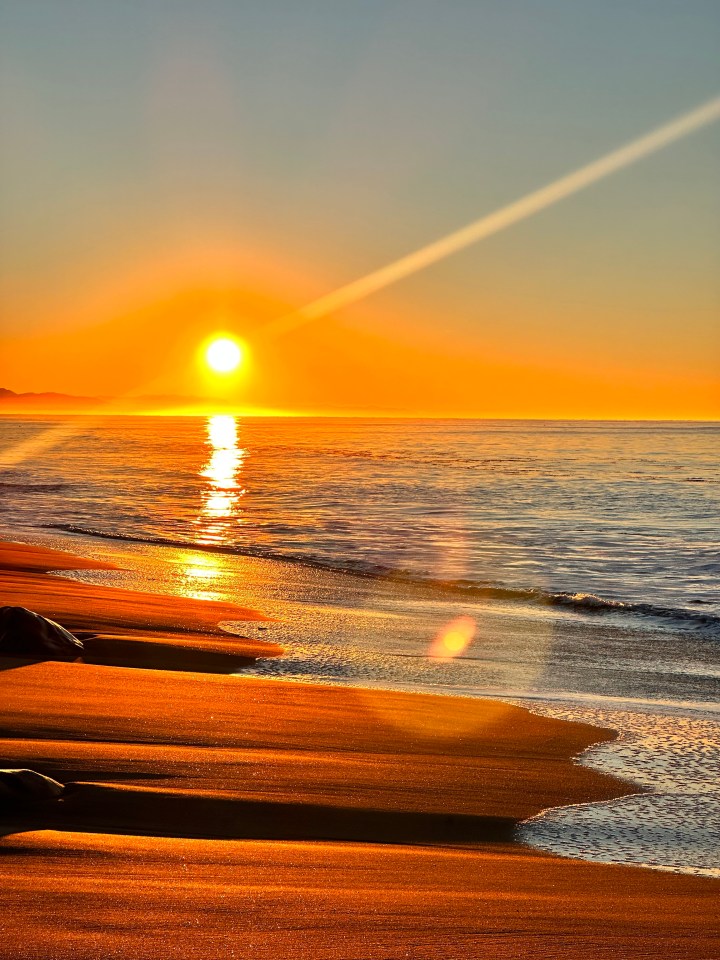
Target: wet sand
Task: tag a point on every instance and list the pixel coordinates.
(210, 816)
(125, 627)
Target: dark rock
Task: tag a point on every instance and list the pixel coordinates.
(28, 635)
(28, 785)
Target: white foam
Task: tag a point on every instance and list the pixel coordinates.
(675, 825)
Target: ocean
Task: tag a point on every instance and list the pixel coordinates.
(569, 566)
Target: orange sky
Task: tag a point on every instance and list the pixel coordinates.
(365, 367)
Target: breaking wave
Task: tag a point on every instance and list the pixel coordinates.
(583, 603)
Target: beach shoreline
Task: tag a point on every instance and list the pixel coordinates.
(176, 771)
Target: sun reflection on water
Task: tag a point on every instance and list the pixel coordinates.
(223, 490)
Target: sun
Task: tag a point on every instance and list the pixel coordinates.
(223, 355)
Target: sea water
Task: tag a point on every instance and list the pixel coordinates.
(583, 556)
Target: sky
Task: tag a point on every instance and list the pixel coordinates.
(171, 169)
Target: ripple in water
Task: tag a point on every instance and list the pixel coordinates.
(675, 826)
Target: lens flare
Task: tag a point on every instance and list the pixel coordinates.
(527, 206)
(453, 640)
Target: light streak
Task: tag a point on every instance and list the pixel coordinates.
(501, 219)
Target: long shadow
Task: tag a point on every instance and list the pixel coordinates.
(138, 811)
(14, 663)
(145, 655)
(148, 655)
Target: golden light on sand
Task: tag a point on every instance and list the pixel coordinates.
(223, 355)
(199, 571)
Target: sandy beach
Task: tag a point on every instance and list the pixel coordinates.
(207, 815)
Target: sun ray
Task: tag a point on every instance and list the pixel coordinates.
(501, 219)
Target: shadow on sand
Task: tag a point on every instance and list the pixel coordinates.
(141, 811)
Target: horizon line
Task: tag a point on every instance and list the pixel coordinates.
(343, 415)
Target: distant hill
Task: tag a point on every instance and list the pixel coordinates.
(9, 398)
(12, 402)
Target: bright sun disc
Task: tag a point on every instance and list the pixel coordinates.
(223, 355)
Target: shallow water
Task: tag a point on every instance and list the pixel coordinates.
(671, 751)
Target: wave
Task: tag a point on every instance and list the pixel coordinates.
(25, 486)
(583, 603)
